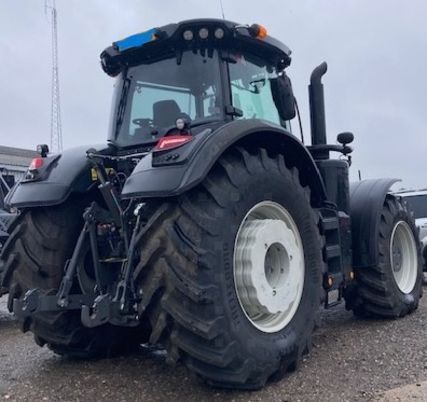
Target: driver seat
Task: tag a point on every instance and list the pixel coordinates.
(165, 113)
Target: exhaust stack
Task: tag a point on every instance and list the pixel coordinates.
(317, 107)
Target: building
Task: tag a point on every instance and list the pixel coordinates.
(15, 161)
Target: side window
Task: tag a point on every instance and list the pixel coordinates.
(251, 90)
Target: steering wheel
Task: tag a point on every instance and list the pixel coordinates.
(143, 122)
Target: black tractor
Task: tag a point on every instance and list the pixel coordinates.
(205, 226)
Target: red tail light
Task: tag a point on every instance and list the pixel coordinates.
(172, 141)
(36, 163)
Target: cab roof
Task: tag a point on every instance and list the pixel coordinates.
(195, 34)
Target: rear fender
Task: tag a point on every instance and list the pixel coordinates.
(366, 202)
(149, 179)
(68, 173)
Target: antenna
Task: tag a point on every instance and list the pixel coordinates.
(222, 9)
(55, 122)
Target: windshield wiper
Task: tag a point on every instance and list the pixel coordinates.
(122, 105)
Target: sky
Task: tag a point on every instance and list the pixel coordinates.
(376, 85)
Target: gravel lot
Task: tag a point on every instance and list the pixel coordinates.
(352, 360)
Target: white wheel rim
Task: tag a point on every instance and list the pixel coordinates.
(403, 257)
(269, 266)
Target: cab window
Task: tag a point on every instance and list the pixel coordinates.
(251, 89)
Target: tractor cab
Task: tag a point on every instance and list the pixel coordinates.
(193, 75)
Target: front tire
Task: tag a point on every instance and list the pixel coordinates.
(393, 287)
(188, 273)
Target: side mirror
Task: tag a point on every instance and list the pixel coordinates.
(43, 150)
(345, 138)
(283, 96)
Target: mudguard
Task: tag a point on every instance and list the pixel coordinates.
(149, 179)
(66, 175)
(366, 201)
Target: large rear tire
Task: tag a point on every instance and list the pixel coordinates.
(34, 257)
(196, 272)
(394, 286)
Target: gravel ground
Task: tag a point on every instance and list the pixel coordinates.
(352, 360)
(414, 392)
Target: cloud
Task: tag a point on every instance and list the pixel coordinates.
(375, 86)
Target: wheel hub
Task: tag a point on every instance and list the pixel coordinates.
(397, 258)
(403, 257)
(269, 266)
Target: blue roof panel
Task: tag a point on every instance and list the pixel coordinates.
(136, 40)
